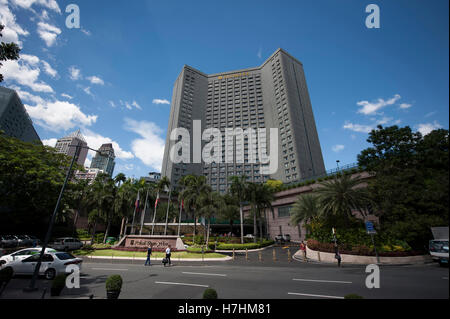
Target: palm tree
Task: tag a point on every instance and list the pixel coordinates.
(193, 187)
(120, 179)
(260, 197)
(210, 203)
(239, 189)
(161, 187)
(341, 196)
(125, 199)
(305, 210)
(230, 209)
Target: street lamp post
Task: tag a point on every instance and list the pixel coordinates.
(52, 220)
(337, 162)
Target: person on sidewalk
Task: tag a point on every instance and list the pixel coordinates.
(168, 253)
(149, 253)
(303, 249)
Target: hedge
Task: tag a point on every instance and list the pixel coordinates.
(221, 246)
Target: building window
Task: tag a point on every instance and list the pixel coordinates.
(284, 211)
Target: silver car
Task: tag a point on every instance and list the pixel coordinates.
(66, 244)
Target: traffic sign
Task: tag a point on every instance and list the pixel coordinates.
(370, 228)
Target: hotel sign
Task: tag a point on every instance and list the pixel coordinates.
(237, 75)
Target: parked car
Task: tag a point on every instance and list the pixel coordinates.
(24, 241)
(249, 236)
(53, 264)
(66, 244)
(8, 241)
(279, 239)
(35, 241)
(23, 253)
(287, 237)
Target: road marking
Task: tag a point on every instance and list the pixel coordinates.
(317, 296)
(327, 281)
(112, 269)
(180, 284)
(203, 274)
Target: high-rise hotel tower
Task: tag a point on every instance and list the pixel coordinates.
(274, 95)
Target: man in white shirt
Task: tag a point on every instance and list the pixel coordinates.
(168, 255)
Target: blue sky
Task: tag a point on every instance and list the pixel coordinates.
(113, 77)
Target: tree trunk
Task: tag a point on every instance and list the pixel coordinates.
(93, 233)
(107, 231)
(195, 228)
(255, 227)
(121, 227)
(260, 230)
(242, 222)
(231, 228)
(207, 234)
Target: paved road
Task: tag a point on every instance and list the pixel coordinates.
(252, 279)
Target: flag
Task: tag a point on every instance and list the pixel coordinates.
(156, 201)
(137, 202)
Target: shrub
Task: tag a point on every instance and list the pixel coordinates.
(114, 283)
(210, 294)
(257, 245)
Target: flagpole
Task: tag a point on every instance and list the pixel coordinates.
(167, 213)
(143, 215)
(134, 213)
(179, 218)
(154, 214)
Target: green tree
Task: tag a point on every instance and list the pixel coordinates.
(209, 203)
(8, 51)
(31, 177)
(341, 196)
(239, 189)
(410, 181)
(305, 210)
(260, 197)
(230, 209)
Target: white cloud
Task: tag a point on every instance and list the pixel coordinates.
(67, 96)
(427, 128)
(87, 32)
(48, 33)
(26, 96)
(95, 140)
(87, 90)
(26, 4)
(49, 70)
(12, 30)
(75, 73)
(50, 142)
(338, 148)
(150, 147)
(59, 116)
(25, 72)
(259, 54)
(384, 120)
(358, 127)
(370, 108)
(430, 114)
(405, 106)
(159, 101)
(95, 80)
(112, 104)
(136, 105)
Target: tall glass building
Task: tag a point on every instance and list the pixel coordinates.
(105, 160)
(14, 119)
(274, 95)
(68, 146)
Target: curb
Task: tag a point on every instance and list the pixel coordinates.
(157, 259)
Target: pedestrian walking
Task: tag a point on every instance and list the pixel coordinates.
(149, 253)
(337, 255)
(168, 253)
(303, 249)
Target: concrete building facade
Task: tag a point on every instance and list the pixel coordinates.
(14, 119)
(68, 146)
(274, 95)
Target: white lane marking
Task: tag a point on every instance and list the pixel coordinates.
(111, 269)
(326, 281)
(202, 274)
(317, 296)
(179, 284)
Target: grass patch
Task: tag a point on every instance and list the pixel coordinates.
(119, 253)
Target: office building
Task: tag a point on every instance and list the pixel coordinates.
(104, 160)
(71, 144)
(14, 119)
(274, 95)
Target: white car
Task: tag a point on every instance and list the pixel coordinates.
(67, 244)
(24, 253)
(53, 264)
